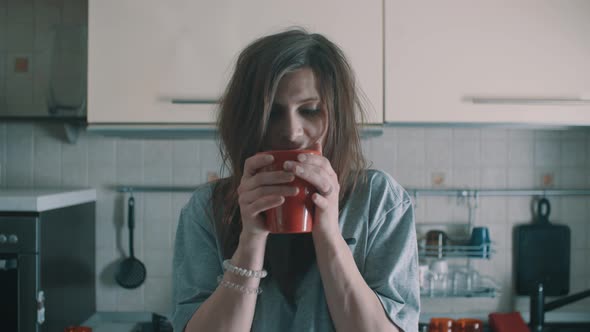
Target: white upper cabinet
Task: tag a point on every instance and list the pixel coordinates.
(465, 61)
(165, 62)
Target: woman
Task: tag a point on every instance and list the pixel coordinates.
(357, 270)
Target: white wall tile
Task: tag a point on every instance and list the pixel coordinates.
(159, 262)
(466, 153)
(129, 162)
(574, 177)
(75, 163)
(411, 152)
(2, 154)
(131, 299)
(547, 153)
(466, 177)
(158, 295)
(74, 12)
(19, 37)
(494, 152)
(19, 155)
(521, 177)
(186, 176)
(2, 27)
(413, 177)
(573, 153)
(438, 209)
(41, 78)
(493, 177)
(521, 135)
(185, 153)
(410, 134)
(521, 152)
(492, 134)
(385, 151)
(439, 153)
(47, 161)
(492, 210)
(157, 208)
(47, 15)
(578, 232)
(102, 151)
(574, 209)
(574, 134)
(438, 134)
(551, 135)
(106, 287)
(3, 66)
(519, 210)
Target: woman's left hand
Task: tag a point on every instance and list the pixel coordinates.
(318, 171)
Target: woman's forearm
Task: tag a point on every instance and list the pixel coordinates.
(352, 304)
(229, 309)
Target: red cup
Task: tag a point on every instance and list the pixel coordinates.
(440, 324)
(468, 325)
(295, 215)
(78, 329)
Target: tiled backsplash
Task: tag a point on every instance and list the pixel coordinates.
(37, 155)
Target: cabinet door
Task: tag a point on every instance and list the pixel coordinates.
(462, 61)
(144, 54)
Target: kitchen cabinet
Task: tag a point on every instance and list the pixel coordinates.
(155, 62)
(482, 62)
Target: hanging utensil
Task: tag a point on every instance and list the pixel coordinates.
(131, 272)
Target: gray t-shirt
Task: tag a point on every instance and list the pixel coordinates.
(379, 217)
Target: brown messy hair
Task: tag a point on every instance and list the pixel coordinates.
(245, 109)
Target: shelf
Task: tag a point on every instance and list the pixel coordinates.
(483, 251)
(482, 292)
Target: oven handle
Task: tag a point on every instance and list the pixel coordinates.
(8, 264)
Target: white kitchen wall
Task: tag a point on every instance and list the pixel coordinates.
(37, 155)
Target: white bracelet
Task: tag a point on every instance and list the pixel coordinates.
(239, 288)
(227, 266)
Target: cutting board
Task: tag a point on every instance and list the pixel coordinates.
(542, 254)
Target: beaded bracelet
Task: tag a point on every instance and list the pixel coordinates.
(227, 266)
(239, 288)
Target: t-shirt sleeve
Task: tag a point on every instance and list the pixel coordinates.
(391, 265)
(196, 263)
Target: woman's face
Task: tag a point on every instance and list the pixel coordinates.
(297, 116)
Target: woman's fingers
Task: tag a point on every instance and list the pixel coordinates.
(255, 163)
(248, 197)
(323, 180)
(262, 204)
(265, 179)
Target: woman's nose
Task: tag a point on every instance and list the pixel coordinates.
(292, 129)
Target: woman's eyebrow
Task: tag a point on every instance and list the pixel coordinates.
(299, 102)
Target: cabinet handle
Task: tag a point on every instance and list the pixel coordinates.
(528, 100)
(194, 101)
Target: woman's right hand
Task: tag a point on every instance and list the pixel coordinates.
(261, 190)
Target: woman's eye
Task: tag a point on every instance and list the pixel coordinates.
(310, 111)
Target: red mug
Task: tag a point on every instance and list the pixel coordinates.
(78, 329)
(441, 324)
(295, 215)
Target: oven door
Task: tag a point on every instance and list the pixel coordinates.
(18, 286)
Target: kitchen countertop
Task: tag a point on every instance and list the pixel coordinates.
(39, 200)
